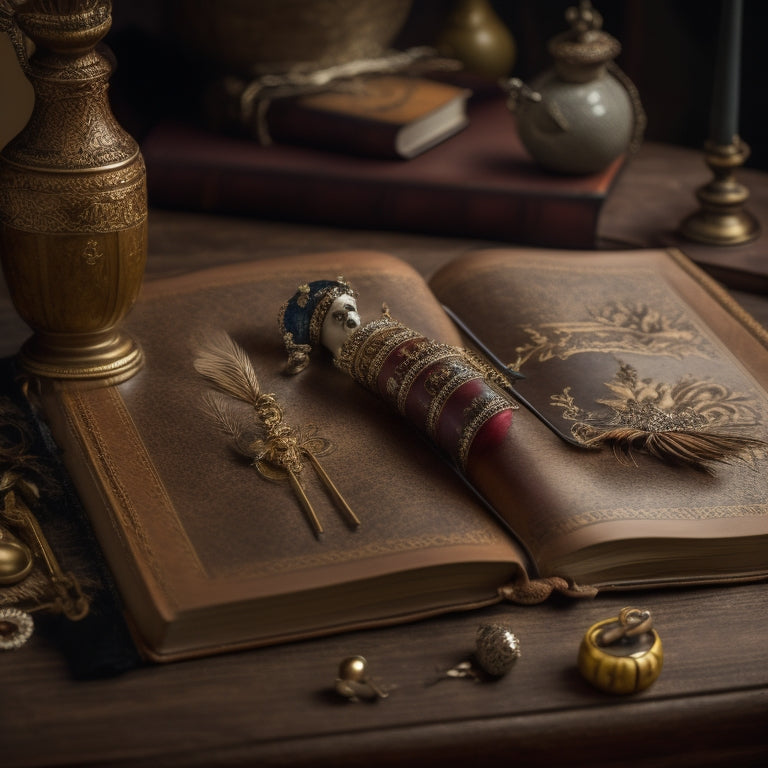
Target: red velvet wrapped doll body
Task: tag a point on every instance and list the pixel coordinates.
(451, 396)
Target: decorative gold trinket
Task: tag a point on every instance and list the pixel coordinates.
(354, 683)
(623, 654)
(496, 649)
(73, 199)
(15, 559)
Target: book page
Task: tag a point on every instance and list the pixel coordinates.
(592, 331)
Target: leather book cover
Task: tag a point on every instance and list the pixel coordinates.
(479, 183)
(388, 116)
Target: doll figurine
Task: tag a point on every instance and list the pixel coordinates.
(454, 398)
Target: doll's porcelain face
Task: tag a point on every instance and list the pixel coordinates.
(342, 320)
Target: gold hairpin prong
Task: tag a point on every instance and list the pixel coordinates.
(305, 503)
(341, 503)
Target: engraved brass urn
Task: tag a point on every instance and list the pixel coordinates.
(73, 199)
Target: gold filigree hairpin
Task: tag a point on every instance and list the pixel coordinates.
(276, 450)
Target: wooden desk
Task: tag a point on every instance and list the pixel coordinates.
(276, 706)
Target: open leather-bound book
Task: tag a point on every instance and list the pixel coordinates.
(641, 466)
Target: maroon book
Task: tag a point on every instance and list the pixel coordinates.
(479, 183)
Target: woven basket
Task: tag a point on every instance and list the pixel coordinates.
(256, 37)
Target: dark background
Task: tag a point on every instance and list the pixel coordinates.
(668, 51)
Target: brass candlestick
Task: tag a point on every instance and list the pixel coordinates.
(73, 199)
(722, 219)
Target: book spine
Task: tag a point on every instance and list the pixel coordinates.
(567, 222)
(314, 128)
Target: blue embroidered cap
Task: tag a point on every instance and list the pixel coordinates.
(301, 318)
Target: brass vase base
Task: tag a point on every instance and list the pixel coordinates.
(106, 359)
(722, 219)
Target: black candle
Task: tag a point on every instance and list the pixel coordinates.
(724, 117)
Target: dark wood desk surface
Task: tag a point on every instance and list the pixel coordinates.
(276, 706)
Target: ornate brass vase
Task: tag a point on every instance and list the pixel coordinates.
(73, 200)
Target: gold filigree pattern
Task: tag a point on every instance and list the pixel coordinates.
(31, 578)
(417, 358)
(681, 423)
(617, 328)
(56, 203)
(482, 409)
(364, 352)
(441, 385)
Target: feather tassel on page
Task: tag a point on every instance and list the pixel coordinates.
(693, 447)
(276, 449)
(694, 427)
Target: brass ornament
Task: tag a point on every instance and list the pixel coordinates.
(722, 219)
(73, 200)
(16, 561)
(355, 684)
(473, 33)
(622, 655)
(63, 592)
(497, 649)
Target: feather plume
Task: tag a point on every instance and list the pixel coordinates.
(692, 423)
(222, 412)
(679, 436)
(696, 449)
(227, 366)
(242, 432)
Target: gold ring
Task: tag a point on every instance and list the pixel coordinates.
(622, 655)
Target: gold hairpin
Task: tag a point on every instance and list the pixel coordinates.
(278, 451)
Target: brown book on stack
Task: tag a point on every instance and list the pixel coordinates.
(388, 116)
(480, 183)
(210, 556)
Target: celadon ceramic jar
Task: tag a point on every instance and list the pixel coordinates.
(583, 113)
